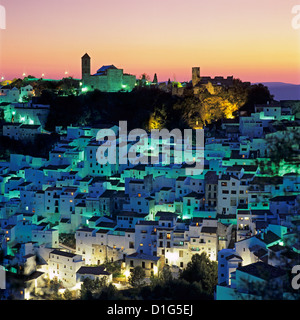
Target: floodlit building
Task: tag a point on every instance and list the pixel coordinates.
(64, 266)
(106, 79)
(9, 94)
(149, 263)
(19, 131)
(257, 281)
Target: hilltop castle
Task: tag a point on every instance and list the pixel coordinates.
(106, 79)
(197, 80)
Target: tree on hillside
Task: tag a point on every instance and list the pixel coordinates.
(92, 289)
(144, 76)
(283, 150)
(256, 94)
(158, 119)
(137, 277)
(202, 270)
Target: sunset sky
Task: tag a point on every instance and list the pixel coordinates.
(250, 39)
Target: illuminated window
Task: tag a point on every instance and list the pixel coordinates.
(168, 236)
(139, 195)
(71, 200)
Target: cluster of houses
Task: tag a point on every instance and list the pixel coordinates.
(24, 119)
(151, 215)
(11, 94)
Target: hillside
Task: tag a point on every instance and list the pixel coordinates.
(283, 91)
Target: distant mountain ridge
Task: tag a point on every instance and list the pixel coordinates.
(283, 91)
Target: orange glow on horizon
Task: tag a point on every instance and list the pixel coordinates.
(251, 40)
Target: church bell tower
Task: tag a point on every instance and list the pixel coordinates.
(85, 66)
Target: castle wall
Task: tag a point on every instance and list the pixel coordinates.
(114, 81)
(114, 77)
(129, 82)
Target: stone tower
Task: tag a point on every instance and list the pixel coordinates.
(195, 76)
(86, 66)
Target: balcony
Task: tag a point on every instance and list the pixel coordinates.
(244, 228)
(195, 249)
(180, 244)
(178, 236)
